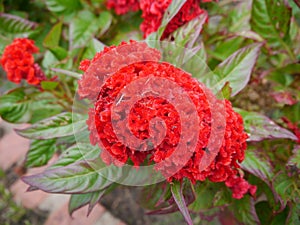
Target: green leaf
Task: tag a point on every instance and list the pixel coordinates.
(63, 6)
(271, 20)
(93, 47)
(49, 85)
(210, 195)
(176, 189)
(15, 25)
(244, 210)
(86, 25)
(57, 126)
(53, 37)
(258, 164)
(52, 41)
(237, 68)
(260, 127)
(264, 212)
(79, 200)
(40, 152)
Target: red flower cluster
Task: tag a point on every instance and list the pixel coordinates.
(153, 12)
(18, 62)
(116, 129)
(123, 6)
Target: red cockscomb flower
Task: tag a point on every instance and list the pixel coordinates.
(119, 127)
(18, 62)
(153, 12)
(123, 6)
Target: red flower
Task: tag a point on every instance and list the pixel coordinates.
(293, 127)
(18, 62)
(125, 124)
(123, 6)
(240, 187)
(153, 12)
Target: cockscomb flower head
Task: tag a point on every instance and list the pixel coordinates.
(18, 62)
(150, 111)
(123, 6)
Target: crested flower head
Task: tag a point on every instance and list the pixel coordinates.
(18, 62)
(123, 123)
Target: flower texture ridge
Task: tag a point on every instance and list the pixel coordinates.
(18, 62)
(123, 6)
(112, 113)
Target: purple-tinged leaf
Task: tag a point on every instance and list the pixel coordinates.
(176, 189)
(75, 178)
(15, 25)
(187, 34)
(76, 153)
(40, 152)
(284, 97)
(258, 164)
(260, 127)
(79, 200)
(237, 68)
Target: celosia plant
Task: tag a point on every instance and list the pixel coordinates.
(182, 118)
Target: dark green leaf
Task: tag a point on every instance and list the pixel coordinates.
(57, 126)
(244, 210)
(237, 68)
(264, 212)
(21, 105)
(294, 214)
(176, 189)
(40, 152)
(15, 25)
(14, 107)
(260, 127)
(210, 195)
